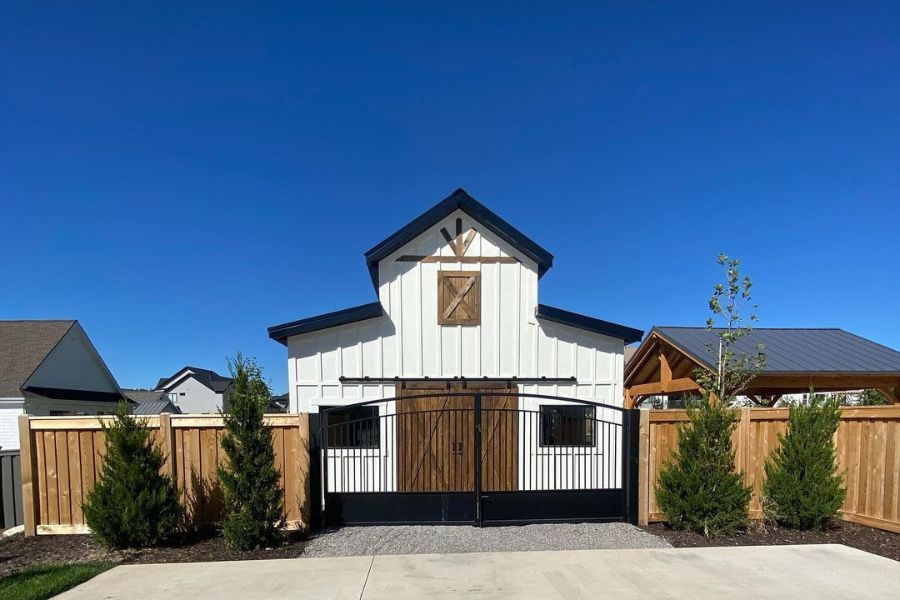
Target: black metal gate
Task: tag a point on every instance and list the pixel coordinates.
(478, 457)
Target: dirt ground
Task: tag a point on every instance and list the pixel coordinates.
(876, 541)
(19, 552)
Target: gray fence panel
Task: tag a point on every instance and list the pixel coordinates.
(11, 489)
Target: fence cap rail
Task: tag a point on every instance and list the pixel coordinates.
(675, 415)
(81, 422)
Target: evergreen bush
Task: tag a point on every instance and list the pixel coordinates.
(132, 505)
(699, 488)
(802, 488)
(251, 482)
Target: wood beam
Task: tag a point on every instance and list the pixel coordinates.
(665, 371)
(685, 384)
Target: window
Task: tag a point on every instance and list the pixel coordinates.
(173, 397)
(354, 427)
(459, 298)
(567, 425)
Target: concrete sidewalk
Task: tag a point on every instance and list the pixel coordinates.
(790, 572)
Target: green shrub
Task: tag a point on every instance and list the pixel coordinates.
(699, 488)
(250, 480)
(132, 504)
(802, 488)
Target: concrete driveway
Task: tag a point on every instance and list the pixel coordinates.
(791, 572)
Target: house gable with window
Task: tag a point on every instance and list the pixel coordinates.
(196, 390)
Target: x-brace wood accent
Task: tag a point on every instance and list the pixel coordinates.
(459, 245)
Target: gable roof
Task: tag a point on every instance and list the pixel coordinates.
(23, 347)
(795, 350)
(282, 332)
(210, 379)
(565, 317)
(461, 200)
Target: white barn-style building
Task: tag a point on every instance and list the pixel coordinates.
(458, 309)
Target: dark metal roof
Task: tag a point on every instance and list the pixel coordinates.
(282, 332)
(461, 200)
(23, 347)
(565, 317)
(793, 350)
(155, 407)
(210, 379)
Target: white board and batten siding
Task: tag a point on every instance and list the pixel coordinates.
(408, 342)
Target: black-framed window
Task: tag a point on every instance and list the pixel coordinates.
(354, 427)
(567, 425)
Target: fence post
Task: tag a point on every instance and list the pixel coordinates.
(29, 489)
(303, 463)
(644, 470)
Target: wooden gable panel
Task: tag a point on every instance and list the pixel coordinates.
(459, 298)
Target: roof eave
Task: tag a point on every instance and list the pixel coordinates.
(280, 333)
(579, 321)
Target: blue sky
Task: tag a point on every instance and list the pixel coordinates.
(181, 176)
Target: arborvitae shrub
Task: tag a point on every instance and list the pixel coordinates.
(250, 480)
(699, 488)
(802, 488)
(132, 505)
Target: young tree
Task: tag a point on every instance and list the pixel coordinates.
(132, 504)
(254, 509)
(699, 488)
(734, 368)
(802, 487)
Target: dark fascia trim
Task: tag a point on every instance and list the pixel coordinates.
(565, 317)
(65, 394)
(459, 199)
(280, 333)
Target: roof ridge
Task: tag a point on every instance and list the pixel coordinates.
(38, 320)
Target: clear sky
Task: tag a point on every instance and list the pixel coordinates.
(180, 176)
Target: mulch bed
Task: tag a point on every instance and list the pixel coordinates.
(876, 541)
(19, 552)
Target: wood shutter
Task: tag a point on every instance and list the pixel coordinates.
(459, 298)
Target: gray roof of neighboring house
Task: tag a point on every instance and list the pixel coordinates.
(154, 407)
(629, 352)
(793, 350)
(210, 379)
(141, 396)
(23, 346)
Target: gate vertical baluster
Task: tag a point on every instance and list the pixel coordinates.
(477, 423)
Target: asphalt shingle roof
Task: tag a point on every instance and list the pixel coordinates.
(794, 350)
(23, 346)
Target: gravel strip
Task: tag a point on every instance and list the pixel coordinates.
(422, 539)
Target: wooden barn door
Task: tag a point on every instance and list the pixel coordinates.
(436, 439)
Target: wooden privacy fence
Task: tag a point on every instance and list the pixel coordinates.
(62, 459)
(868, 456)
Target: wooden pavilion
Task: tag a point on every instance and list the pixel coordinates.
(797, 360)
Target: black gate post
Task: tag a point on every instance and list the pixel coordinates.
(478, 515)
(631, 466)
(315, 472)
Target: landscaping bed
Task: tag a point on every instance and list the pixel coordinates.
(876, 541)
(19, 552)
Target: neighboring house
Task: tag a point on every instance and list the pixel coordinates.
(149, 402)
(196, 390)
(279, 404)
(50, 368)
